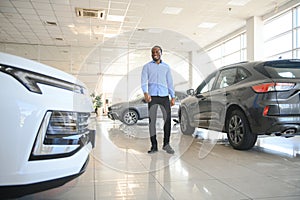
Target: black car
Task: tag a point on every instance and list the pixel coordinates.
(245, 100)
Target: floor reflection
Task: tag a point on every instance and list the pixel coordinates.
(204, 166)
(269, 144)
(124, 147)
(129, 137)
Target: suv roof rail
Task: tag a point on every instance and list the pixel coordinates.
(242, 62)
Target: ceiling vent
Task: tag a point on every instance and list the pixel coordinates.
(91, 13)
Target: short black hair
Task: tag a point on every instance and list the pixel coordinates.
(156, 46)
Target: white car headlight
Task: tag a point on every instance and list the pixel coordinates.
(62, 134)
(30, 79)
(116, 107)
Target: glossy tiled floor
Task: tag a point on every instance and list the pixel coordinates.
(204, 166)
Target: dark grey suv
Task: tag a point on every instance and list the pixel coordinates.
(245, 100)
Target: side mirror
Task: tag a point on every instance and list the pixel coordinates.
(190, 92)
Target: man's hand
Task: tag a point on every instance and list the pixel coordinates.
(172, 101)
(147, 97)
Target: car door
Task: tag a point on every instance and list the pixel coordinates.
(202, 107)
(218, 97)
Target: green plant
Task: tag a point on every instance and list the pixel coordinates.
(97, 100)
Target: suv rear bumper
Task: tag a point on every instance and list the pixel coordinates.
(278, 125)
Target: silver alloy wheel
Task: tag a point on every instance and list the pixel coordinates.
(130, 117)
(236, 129)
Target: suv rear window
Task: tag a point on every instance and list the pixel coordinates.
(286, 69)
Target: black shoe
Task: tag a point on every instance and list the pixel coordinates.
(152, 150)
(168, 149)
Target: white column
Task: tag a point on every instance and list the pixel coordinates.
(254, 30)
(190, 80)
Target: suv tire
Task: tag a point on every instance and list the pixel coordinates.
(185, 126)
(238, 131)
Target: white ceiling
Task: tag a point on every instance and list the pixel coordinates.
(25, 28)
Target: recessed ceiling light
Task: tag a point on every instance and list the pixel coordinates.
(172, 10)
(155, 30)
(108, 35)
(115, 18)
(207, 25)
(238, 2)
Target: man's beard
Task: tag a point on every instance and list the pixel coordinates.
(156, 58)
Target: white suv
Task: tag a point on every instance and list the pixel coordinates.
(46, 128)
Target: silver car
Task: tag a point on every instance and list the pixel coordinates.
(130, 112)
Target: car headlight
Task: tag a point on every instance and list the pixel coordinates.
(115, 107)
(30, 79)
(61, 134)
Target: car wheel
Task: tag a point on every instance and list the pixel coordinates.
(238, 131)
(130, 117)
(185, 126)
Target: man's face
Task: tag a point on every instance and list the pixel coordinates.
(156, 53)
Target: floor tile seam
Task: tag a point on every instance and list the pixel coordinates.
(273, 197)
(203, 171)
(94, 173)
(233, 188)
(115, 168)
(140, 162)
(228, 160)
(279, 179)
(162, 186)
(200, 170)
(183, 181)
(217, 178)
(258, 171)
(287, 158)
(236, 163)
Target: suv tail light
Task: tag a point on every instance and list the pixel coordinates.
(268, 87)
(266, 110)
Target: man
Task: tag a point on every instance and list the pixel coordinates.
(157, 85)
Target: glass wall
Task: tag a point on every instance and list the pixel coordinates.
(230, 51)
(281, 41)
(281, 36)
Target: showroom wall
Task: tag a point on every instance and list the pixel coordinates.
(112, 68)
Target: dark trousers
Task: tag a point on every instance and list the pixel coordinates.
(164, 104)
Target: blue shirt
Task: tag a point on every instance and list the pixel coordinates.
(157, 80)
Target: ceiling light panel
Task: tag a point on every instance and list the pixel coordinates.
(172, 10)
(207, 25)
(21, 4)
(41, 5)
(238, 2)
(115, 18)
